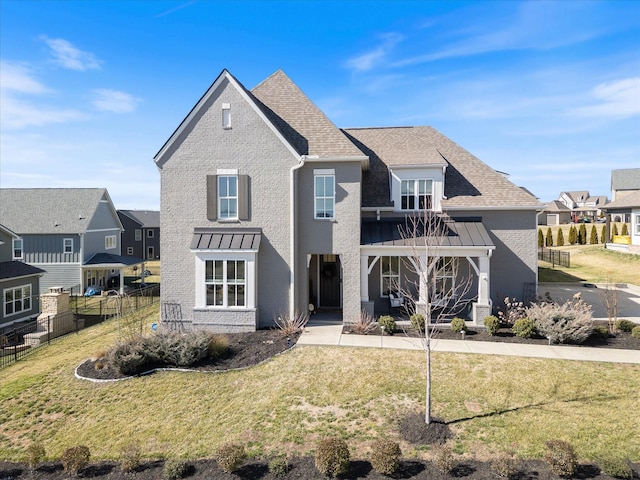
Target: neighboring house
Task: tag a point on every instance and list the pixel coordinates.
(71, 233)
(267, 207)
(583, 205)
(625, 207)
(624, 181)
(141, 234)
(19, 281)
(555, 213)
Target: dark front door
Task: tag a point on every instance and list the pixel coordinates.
(329, 281)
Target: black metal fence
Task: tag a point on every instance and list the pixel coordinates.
(555, 257)
(108, 304)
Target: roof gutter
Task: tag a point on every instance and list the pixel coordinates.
(292, 233)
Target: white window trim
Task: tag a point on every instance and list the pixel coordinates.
(220, 198)
(250, 290)
(226, 116)
(637, 229)
(23, 296)
(64, 245)
(150, 233)
(382, 276)
(416, 195)
(445, 273)
(324, 173)
(110, 242)
(138, 235)
(13, 249)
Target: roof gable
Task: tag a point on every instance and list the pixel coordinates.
(145, 218)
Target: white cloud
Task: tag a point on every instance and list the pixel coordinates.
(114, 101)
(68, 56)
(19, 78)
(372, 59)
(617, 99)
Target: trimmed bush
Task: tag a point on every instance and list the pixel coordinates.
(635, 333)
(561, 457)
(34, 455)
(417, 322)
(616, 467)
(549, 238)
(570, 322)
(388, 323)
(582, 234)
(174, 469)
(458, 325)
(385, 456)
(279, 466)
(443, 458)
(492, 324)
(625, 325)
(75, 459)
(560, 236)
(614, 230)
(230, 456)
(600, 331)
(573, 235)
(593, 239)
(624, 231)
(523, 328)
(540, 238)
(130, 457)
(332, 457)
(603, 234)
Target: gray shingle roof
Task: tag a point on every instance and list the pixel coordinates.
(18, 269)
(49, 210)
(304, 126)
(630, 200)
(625, 179)
(469, 182)
(146, 218)
(556, 206)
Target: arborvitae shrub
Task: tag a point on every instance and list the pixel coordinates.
(540, 238)
(524, 328)
(388, 323)
(385, 456)
(75, 459)
(593, 240)
(230, 456)
(417, 322)
(332, 457)
(573, 235)
(624, 325)
(560, 236)
(635, 332)
(549, 238)
(603, 234)
(458, 325)
(174, 469)
(583, 234)
(625, 231)
(616, 467)
(492, 324)
(561, 457)
(614, 230)
(130, 457)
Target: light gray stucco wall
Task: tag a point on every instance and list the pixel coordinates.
(253, 148)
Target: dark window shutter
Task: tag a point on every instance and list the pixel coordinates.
(212, 197)
(244, 198)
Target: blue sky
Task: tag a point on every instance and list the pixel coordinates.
(548, 92)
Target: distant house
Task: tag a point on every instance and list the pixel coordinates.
(71, 233)
(19, 281)
(267, 208)
(141, 234)
(555, 213)
(625, 206)
(583, 205)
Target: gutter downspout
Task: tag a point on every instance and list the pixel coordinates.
(292, 224)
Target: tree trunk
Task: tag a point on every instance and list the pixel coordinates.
(427, 351)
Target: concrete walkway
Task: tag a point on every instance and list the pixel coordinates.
(330, 333)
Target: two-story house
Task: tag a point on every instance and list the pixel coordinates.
(71, 233)
(625, 206)
(19, 281)
(141, 234)
(267, 207)
(583, 205)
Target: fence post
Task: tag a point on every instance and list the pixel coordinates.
(15, 352)
(49, 330)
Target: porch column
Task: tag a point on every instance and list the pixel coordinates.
(423, 288)
(364, 278)
(483, 280)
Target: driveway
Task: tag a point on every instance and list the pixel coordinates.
(593, 294)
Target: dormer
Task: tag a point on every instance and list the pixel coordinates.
(417, 187)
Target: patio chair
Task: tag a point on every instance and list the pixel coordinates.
(396, 300)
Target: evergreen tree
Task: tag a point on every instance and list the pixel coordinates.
(583, 234)
(549, 238)
(624, 229)
(540, 238)
(572, 235)
(603, 234)
(614, 230)
(594, 236)
(560, 241)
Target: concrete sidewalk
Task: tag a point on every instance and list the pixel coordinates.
(331, 334)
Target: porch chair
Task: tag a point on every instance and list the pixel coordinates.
(396, 301)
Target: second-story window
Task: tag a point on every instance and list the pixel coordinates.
(138, 235)
(67, 245)
(325, 195)
(17, 249)
(416, 194)
(110, 242)
(226, 115)
(228, 197)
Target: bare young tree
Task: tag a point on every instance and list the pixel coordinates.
(610, 299)
(441, 281)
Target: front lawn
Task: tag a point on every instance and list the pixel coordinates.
(286, 404)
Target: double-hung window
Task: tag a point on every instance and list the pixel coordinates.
(389, 275)
(228, 197)
(138, 235)
(67, 245)
(110, 242)
(443, 278)
(225, 282)
(324, 194)
(416, 194)
(637, 224)
(17, 300)
(17, 249)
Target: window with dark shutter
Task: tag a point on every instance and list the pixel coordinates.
(227, 199)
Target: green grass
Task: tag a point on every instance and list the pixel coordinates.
(286, 404)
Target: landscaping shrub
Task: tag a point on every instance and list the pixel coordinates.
(332, 457)
(625, 325)
(279, 466)
(560, 236)
(513, 310)
(183, 350)
(593, 239)
(130, 457)
(128, 358)
(561, 457)
(624, 231)
(524, 328)
(230, 456)
(291, 325)
(549, 238)
(492, 324)
(603, 234)
(218, 346)
(385, 456)
(570, 322)
(614, 230)
(573, 235)
(600, 331)
(75, 459)
(458, 325)
(417, 322)
(34, 455)
(443, 458)
(582, 235)
(616, 467)
(365, 324)
(388, 323)
(504, 465)
(635, 333)
(174, 469)
(540, 238)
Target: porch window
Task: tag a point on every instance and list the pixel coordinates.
(225, 282)
(443, 279)
(325, 195)
(228, 197)
(17, 299)
(389, 275)
(17, 249)
(637, 224)
(416, 194)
